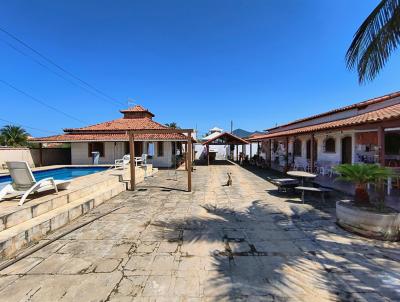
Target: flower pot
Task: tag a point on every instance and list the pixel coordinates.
(383, 226)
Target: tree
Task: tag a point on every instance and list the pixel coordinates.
(361, 175)
(172, 125)
(13, 136)
(375, 40)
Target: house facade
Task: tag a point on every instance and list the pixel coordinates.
(111, 140)
(365, 132)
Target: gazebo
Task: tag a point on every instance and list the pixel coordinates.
(224, 138)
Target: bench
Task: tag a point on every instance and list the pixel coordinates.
(285, 184)
(323, 191)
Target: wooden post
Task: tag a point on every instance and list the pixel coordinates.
(312, 155)
(381, 145)
(189, 143)
(132, 161)
(251, 151)
(186, 155)
(40, 154)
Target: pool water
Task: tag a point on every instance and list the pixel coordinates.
(60, 173)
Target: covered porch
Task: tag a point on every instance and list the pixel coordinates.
(231, 143)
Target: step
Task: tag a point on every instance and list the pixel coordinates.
(11, 214)
(25, 233)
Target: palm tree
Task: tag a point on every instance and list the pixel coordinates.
(13, 136)
(375, 40)
(361, 175)
(172, 125)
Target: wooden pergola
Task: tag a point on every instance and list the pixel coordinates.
(224, 138)
(188, 150)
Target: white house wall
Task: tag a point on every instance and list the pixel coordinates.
(116, 150)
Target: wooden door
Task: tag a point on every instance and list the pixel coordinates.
(346, 150)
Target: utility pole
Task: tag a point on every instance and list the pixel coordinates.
(231, 126)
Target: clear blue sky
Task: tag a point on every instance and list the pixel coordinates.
(201, 63)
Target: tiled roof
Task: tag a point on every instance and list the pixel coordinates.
(76, 137)
(353, 106)
(136, 108)
(387, 113)
(121, 124)
(230, 137)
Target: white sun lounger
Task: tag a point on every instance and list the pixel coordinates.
(24, 183)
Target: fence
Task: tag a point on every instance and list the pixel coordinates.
(50, 156)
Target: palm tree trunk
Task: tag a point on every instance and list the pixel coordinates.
(361, 194)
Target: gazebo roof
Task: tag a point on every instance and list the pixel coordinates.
(226, 138)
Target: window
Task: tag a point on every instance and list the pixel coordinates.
(330, 145)
(96, 147)
(160, 149)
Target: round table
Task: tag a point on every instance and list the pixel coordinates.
(301, 174)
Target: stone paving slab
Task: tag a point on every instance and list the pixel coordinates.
(218, 243)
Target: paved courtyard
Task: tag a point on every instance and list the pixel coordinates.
(218, 243)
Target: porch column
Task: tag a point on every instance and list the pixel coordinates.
(287, 154)
(237, 152)
(208, 154)
(251, 151)
(132, 161)
(293, 151)
(381, 145)
(40, 154)
(312, 155)
(269, 154)
(189, 170)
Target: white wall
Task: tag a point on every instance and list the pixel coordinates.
(164, 161)
(116, 150)
(15, 154)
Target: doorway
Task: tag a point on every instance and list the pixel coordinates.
(347, 150)
(138, 148)
(308, 151)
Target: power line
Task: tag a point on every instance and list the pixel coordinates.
(28, 127)
(42, 102)
(54, 72)
(60, 67)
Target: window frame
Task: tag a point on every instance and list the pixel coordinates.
(334, 145)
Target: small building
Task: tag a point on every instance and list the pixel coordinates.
(225, 151)
(365, 132)
(111, 140)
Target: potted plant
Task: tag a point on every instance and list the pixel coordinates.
(361, 175)
(363, 217)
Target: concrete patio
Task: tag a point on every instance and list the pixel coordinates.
(218, 243)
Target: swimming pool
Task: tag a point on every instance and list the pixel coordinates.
(59, 173)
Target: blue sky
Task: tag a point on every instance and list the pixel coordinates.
(199, 63)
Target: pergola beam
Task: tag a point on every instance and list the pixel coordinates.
(132, 134)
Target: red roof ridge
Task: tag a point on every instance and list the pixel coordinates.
(341, 109)
(386, 113)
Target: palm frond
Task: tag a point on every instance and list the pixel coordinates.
(375, 40)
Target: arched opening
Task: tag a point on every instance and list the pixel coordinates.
(330, 145)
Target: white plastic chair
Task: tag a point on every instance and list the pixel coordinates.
(121, 163)
(24, 183)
